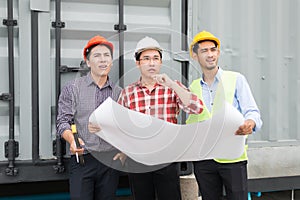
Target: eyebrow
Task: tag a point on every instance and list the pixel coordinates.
(146, 56)
(209, 48)
(99, 53)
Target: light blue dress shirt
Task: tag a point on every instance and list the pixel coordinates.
(243, 99)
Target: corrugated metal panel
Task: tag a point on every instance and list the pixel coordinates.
(259, 39)
(4, 76)
(83, 19)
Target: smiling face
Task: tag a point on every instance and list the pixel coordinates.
(149, 63)
(207, 55)
(100, 62)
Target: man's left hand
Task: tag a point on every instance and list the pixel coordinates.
(246, 128)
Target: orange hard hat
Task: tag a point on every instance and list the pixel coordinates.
(96, 41)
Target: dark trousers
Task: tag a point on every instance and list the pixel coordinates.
(93, 181)
(163, 183)
(212, 176)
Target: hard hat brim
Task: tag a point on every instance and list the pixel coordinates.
(149, 48)
(208, 38)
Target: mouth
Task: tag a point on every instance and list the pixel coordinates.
(103, 67)
(151, 70)
(210, 61)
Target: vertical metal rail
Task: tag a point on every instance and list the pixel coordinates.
(184, 64)
(35, 87)
(121, 27)
(185, 168)
(58, 147)
(11, 146)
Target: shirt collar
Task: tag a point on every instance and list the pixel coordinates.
(90, 81)
(217, 77)
(140, 84)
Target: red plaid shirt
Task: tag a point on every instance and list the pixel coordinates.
(162, 102)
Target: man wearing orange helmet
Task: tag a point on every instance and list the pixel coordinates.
(214, 86)
(78, 99)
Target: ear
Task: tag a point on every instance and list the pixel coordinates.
(137, 63)
(194, 56)
(87, 63)
(218, 52)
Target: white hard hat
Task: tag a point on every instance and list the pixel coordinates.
(145, 44)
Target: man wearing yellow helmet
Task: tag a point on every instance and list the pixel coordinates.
(213, 86)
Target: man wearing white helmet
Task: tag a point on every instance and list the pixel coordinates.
(157, 95)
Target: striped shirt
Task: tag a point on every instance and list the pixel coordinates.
(162, 102)
(78, 99)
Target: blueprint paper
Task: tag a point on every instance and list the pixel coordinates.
(152, 141)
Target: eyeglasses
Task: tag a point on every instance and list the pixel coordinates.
(148, 59)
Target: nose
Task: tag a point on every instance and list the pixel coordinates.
(209, 53)
(103, 58)
(151, 61)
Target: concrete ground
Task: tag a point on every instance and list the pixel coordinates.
(280, 195)
(189, 191)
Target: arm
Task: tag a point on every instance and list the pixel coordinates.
(64, 117)
(68, 136)
(182, 93)
(245, 102)
(189, 102)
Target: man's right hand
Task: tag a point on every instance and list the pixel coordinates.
(74, 149)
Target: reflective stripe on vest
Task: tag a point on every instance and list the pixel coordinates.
(227, 84)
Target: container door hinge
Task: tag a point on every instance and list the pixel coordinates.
(119, 27)
(62, 147)
(11, 149)
(5, 97)
(10, 22)
(58, 24)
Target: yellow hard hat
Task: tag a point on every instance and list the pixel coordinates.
(203, 35)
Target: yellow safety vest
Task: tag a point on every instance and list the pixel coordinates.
(225, 91)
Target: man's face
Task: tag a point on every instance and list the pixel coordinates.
(207, 55)
(100, 61)
(150, 63)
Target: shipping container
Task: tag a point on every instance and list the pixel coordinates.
(41, 45)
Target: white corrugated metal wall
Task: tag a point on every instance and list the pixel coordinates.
(260, 39)
(83, 19)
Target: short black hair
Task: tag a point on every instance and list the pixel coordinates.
(138, 55)
(196, 46)
(88, 51)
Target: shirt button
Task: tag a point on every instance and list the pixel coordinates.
(211, 103)
(211, 91)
